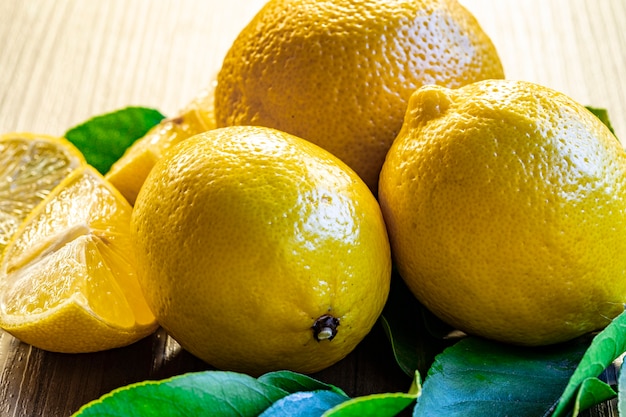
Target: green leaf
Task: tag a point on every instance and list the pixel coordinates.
(416, 335)
(103, 139)
(304, 404)
(378, 405)
(293, 382)
(375, 405)
(476, 377)
(224, 393)
(592, 391)
(607, 346)
(603, 115)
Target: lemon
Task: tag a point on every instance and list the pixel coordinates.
(340, 73)
(130, 171)
(260, 251)
(506, 208)
(30, 166)
(67, 280)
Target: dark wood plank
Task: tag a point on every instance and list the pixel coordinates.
(38, 383)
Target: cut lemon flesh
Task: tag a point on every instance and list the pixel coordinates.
(68, 280)
(130, 171)
(30, 167)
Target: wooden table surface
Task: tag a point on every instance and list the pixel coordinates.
(64, 61)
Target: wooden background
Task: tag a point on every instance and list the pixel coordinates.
(64, 61)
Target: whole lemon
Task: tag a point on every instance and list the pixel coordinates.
(260, 251)
(505, 203)
(339, 73)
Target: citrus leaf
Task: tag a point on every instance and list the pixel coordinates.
(293, 382)
(592, 391)
(607, 346)
(304, 404)
(103, 139)
(375, 405)
(224, 393)
(476, 377)
(417, 341)
(603, 115)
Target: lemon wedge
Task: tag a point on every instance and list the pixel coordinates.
(130, 171)
(30, 167)
(68, 280)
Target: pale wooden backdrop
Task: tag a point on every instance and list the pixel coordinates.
(63, 61)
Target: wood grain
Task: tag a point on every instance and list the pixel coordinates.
(62, 62)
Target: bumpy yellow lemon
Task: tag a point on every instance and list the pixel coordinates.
(506, 208)
(260, 251)
(339, 73)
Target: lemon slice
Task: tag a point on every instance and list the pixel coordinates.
(130, 171)
(68, 280)
(30, 167)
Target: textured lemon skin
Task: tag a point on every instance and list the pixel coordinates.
(246, 236)
(506, 208)
(339, 73)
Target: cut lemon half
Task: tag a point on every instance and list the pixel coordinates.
(68, 280)
(30, 167)
(130, 171)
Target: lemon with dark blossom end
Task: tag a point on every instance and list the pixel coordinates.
(260, 251)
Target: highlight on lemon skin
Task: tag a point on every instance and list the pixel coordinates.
(500, 203)
(68, 281)
(279, 260)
